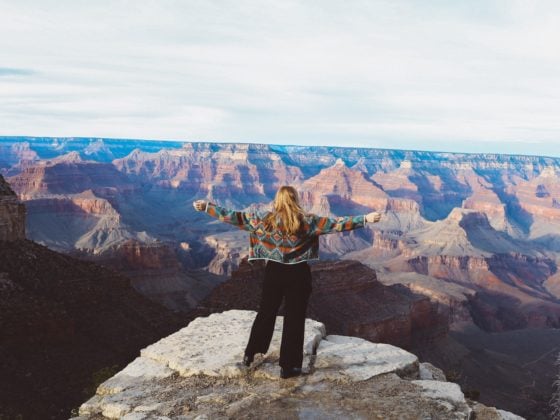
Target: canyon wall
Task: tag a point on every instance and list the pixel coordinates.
(63, 322)
(346, 297)
(488, 222)
(12, 214)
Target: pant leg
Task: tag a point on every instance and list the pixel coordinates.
(263, 325)
(297, 289)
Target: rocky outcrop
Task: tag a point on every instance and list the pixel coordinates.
(402, 216)
(99, 151)
(68, 174)
(230, 173)
(195, 373)
(12, 214)
(81, 223)
(536, 202)
(14, 156)
(92, 204)
(156, 270)
(347, 298)
(452, 299)
(484, 199)
(502, 297)
(459, 268)
(229, 249)
(510, 283)
(347, 191)
(135, 255)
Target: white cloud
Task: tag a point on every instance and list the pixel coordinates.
(429, 75)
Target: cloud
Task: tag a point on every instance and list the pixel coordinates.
(435, 74)
(7, 71)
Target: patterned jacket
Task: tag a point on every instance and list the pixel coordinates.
(277, 245)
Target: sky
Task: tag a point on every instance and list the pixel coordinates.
(464, 76)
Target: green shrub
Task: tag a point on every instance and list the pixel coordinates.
(472, 394)
(452, 375)
(98, 377)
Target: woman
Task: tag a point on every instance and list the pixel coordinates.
(286, 238)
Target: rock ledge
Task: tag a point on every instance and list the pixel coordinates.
(195, 374)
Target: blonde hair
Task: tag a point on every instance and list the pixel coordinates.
(286, 208)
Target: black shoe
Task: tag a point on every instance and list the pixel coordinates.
(248, 359)
(289, 372)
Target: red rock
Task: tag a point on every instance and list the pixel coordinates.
(219, 172)
(12, 214)
(346, 297)
(344, 188)
(67, 175)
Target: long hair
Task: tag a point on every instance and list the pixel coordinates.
(287, 210)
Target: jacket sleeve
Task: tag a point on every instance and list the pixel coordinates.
(322, 225)
(243, 220)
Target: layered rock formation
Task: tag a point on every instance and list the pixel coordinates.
(230, 248)
(464, 248)
(437, 192)
(347, 190)
(484, 200)
(155, 270)
(79, 207)
(81, 222)
(398, 183)
(503, 251)
(12, 214)
(59, 319)
(452, 299)
(537, 201)
(232, 173)
(68, 174)
(195, 373)
(14, 156)
(347, 298)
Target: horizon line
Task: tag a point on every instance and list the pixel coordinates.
(275, 144)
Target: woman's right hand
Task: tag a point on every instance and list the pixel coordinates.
(199, 205)
(373, 217)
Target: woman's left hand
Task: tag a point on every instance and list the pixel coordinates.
(373, 217)
(199, 205)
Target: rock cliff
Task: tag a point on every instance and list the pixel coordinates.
(348, 191)
(14, 156)
(230, 173)
(195, 374)
(347, 298)
(64, 323)
(67, 174)
(464, 248)
(155, 270)
(12, 214)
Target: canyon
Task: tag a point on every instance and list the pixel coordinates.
(468, 244)
(490, 223)
(64, 322)
(347, 298)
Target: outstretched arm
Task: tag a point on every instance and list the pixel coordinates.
(323, 225)
(242, 220)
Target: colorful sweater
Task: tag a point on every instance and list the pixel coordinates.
(277, 245)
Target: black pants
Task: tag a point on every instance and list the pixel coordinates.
(293, 282)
